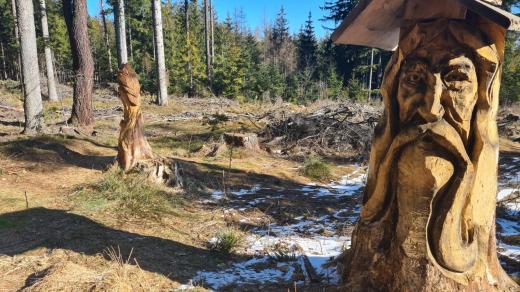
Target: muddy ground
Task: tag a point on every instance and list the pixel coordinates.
(67, 224)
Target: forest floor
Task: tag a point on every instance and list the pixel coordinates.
(244, 220)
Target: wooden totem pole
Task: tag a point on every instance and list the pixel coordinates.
(428, 216)
(132, 146)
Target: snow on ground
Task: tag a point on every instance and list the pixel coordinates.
(279, 250)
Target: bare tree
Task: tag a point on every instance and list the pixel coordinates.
(105, 32)
(212, 24)
(4, 67)
(119, 16)
(30, 72)
(51, 81)
(188, 43)
(207, 38)
(17, 39)
(76, 17)
(162, 97)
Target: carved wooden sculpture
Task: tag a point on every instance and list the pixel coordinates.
(132, 146)
(428, 216)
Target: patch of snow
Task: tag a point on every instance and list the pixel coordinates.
(511, 251)
(509, 228)
(247, 272)
(243, 192)
(217, 195)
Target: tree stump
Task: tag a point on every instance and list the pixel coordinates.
(428, 216)
(245, 140)
(132, 145)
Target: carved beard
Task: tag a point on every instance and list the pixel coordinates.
(437, 96)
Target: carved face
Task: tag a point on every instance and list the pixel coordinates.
(438, 82)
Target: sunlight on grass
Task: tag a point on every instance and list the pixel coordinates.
(315, 168)
(130, 195)
(225, 241)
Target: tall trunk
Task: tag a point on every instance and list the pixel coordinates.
(162, 96)
(17, 41)
(4, 67)
(212, 24)
(130, 43)
(379, 71)
(188, 45)
(51, 81)
(76, 18)
(370, 75)
(107, 39)
(207, 36)
(119, 17)
(30, 72)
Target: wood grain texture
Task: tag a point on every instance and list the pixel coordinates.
(132, 145)
(427, 221)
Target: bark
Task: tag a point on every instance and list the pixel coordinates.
(119, 17)
(132, 144)
(207, 39)
(428, 216)
(188, 44)
(30, 72)
(17, 41)
(76, 18)
(162, 96)
(130, 42)
(370, 75)
(212, 24)
(51, 80)
(106, 36)
(4, 67)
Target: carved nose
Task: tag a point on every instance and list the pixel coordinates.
(432, 110)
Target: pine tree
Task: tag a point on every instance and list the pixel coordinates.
(280, 31)
(33, 108)
(307, 46)
(76, 17)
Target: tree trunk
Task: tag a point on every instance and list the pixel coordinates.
(30, 72)
(130, 43)
(76, 18)
(370, 75)
(188, 45)
(4, 67)
(212, 23)
(51, 81)
(162, 95)
(106, 36)
(207, 39)
(132, 144)
(17, 41)
(119, 17)
(428, 216)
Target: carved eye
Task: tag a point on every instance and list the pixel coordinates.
(456, 75)
(413, 78)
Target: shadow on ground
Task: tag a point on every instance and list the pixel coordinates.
(57, 229)
(42, 149)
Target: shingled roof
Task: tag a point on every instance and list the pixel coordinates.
(376, 23)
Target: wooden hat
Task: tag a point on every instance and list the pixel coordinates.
(377, 23)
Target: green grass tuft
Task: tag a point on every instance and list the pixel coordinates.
(316, 168)
(225, 241)
(130, 195)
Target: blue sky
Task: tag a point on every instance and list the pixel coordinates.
(256, 11)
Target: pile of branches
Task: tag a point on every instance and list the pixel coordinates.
(331, 129)
(509, 124)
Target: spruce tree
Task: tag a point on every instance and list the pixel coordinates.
(307, 46)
